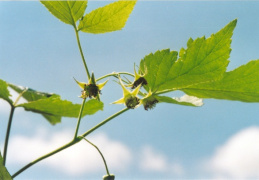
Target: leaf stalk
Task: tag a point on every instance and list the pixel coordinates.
(114, 74)
(106, 167)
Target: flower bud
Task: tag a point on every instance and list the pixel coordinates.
(129, 98)
(131, 101)
(139, 80)
(91, 90)
(109, 177)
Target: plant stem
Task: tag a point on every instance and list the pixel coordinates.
(79, 118)
(115, 74)
(74, 141)
(104, 122)
(106, 167)
(46, 156)
(82, 54)
(8, 133)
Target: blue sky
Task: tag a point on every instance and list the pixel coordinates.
(217, 140)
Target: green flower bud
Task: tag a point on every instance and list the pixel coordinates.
(109, 177)
(131, 101)
(91, 90)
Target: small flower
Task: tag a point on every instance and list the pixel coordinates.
(149, 101)
(130, 99)
(139, 80)
(91, 89)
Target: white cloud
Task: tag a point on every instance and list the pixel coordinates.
(238, 157)
(154, 161)
(190, 99)
(83, 158)
(77, 160)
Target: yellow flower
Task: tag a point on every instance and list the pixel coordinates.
(91, 89)
(130, 99)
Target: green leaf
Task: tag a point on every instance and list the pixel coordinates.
(53, 119)
(241, 84)
(4, 92)
(30, 94)
(111, 17)
(67, 11)
(156, 67)
(33, 95)
(4, 174)
(204, 60)
(51, 106)
(184, 100)
(54, 106)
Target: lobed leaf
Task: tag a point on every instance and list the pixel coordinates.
(204, 60)
(67, 11)
(54, 108)
(111, 17)
(155, 67)
(4, 92)
(4, 174)
(241, 84)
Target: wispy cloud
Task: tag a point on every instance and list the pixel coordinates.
(83, 158)
(153, 161)
(238, 157)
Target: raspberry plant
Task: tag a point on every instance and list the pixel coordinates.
(199, 71)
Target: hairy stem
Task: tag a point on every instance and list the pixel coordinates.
(74, 141)
(79, 119)
(8, 133)
(82, 54)
(106, 167)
